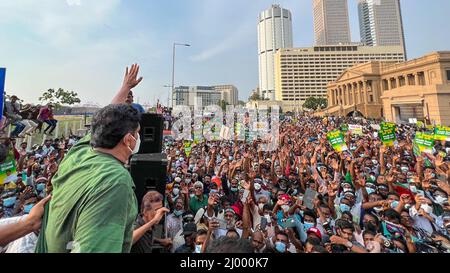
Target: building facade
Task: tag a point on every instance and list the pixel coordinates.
(331, 22)
(229, 93)
(417, 89)
(274, 32)
(381, 23)
(196, 96)
(305, 72)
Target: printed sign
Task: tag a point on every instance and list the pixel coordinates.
(336, 139)
(387, 134)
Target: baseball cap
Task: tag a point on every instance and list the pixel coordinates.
(189, 228)
(315, 231)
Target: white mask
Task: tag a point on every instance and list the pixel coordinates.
(176, 191)
(441, 200)
(137, 146)
(427, 208)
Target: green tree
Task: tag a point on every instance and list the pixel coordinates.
(255, 97)
(223, 104)
(242, 103)
(59, 97)
(313, 103)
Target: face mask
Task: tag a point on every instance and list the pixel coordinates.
(369, 190)
(234, 189)
(40, 187)
(344, 207)
(28, 208)
(441, 200)
(394, 204)
(373, 178)
(433, 175)
(137, 146)
(178, 213)
(308, 225)
(269, 219)
(176, 191)
(187, 181)
(198, 249)
(9, 202)
(279, 175)
(261, 206)
(285, 208)
(427, 208)
(404, 169)
(280, 247)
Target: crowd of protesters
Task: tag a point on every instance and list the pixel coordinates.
(231, 196)
(28, 182)
(307, 198)
(26, 119)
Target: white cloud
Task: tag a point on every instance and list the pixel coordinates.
(73, 2)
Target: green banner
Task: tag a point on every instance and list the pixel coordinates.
(187, 148)
(336, 139)
(442, 133)
(8, 170)
(387, 134)
(425, 142)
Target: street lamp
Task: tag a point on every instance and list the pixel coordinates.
(173, 66)
(168, 94)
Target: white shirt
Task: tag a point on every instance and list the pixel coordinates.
(26, 244)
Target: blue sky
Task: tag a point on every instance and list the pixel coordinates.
(84, 45)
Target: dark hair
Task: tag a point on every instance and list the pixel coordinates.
(344, 224)
(151, 197)
(3, 153)
(369, 231)
(282, 233)
(310, 213)
(392, 214)
(112, 123)
(229, 245)
(320, 249)
(313, 241)
(201, 232)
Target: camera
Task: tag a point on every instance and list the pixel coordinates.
(328, 229)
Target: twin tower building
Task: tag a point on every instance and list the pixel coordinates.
(380, 24)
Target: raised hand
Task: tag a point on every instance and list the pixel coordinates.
(131, 79)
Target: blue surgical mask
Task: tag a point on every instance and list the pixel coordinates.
(308, 225)
(28, 208)
(40, 187)
(344, 207)
(198, 249)
(178, 213)
(394, 204)
(234, 189)
(369, 190)
(9, 202)
(280, 247)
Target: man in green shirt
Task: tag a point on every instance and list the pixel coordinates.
(93, 205)
(200, 200)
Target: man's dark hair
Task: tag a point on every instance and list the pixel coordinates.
(313, 241)
(230, 245)
(3, 153)
(391, 214)
(320, 249)
(201, 232)
(344, 224)
(112, 123)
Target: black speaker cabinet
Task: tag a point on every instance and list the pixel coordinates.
(151, 133)
(149, 174)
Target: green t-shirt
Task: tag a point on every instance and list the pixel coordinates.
(93, 206)
(195, 204)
